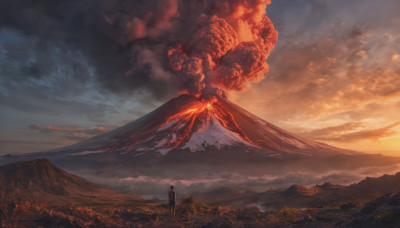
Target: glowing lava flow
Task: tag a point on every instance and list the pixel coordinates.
(176, 129)
(198, 115)
(189, 118)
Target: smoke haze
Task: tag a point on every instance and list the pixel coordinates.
(189, 45)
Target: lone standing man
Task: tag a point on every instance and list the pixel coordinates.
(172, 198)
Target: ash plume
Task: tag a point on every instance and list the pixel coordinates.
(198, 44)
(161, 46)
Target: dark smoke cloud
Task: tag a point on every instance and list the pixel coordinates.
(133, 45)
(71, 27)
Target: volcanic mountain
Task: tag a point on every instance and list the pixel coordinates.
(195, 124)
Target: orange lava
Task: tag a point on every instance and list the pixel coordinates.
(198, 112)
(184, 123)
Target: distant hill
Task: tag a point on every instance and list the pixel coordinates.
(325, 195)
(42, 181)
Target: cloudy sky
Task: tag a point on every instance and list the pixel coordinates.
(334, 74)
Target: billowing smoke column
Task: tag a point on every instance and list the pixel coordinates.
(202, 46)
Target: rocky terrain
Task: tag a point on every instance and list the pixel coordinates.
(381, 212)
(38, 194)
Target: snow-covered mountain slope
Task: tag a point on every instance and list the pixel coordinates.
(188, 122)
(212, 133)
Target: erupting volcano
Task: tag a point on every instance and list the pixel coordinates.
(207, 48)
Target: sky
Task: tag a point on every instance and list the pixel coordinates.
(334, 74)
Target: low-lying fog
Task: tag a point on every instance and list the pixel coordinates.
(157, 187)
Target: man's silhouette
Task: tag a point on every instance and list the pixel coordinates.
(172, 198)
